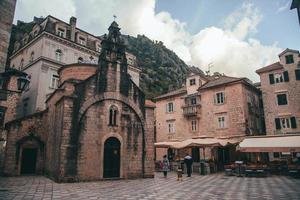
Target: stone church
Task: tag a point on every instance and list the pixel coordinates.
(97, 124)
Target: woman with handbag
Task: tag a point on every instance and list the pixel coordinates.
(165, 165)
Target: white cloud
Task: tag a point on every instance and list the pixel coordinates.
(27, 9)
(232, 49)
(284, 7)
(243, 21)
(230, 55)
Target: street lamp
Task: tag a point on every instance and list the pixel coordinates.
(11, 81)
(22, 81)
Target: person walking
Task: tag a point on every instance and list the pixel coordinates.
(165, 165)
(188, 160)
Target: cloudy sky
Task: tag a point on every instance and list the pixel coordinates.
(236, 37)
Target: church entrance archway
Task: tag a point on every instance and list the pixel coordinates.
(29, 158)
(111, 168)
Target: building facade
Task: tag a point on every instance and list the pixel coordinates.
(280, 85)
(7, 11)
(97, 124)
(215, 106)
(50, 45)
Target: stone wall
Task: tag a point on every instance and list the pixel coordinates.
(149, 141)
(32, 132)
(7, 11)
(79, 71)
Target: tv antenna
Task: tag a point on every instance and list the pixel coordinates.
(209, 66)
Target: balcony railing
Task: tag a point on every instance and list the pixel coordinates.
(191, 110)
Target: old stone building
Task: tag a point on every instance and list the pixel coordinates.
(213, 107)
(7, 11)
(280, 85)
(44, 49)
(97, 124)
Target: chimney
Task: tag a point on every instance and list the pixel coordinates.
(73, 27)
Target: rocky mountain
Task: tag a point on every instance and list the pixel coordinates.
(162, 69)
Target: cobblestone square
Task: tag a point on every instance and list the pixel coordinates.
(216, 186)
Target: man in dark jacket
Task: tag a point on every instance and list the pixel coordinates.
(188, 162)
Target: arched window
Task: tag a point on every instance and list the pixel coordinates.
(113, 111)
(31, 56)
(80, 60)
(21, 63)
(58, 55)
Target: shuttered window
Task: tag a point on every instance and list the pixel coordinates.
(297, 74)
(194, 125)
(171, 127)
(219, 98)
(285, 123)
(286, 76)
(289, 59)
(271, 78)
(279, 77)
(277, 123)
(170, 107)
(282, 99)
(293, 122)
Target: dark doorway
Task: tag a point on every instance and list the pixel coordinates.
(28, 163)
(196, 154)
(111, 158)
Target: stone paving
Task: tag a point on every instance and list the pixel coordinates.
(216, 186)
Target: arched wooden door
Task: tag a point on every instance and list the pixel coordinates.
(111, 165)
(29, 159)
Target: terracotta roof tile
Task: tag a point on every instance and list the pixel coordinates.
(271, 67)
(149, 103)
(172, 93)
(220, 81)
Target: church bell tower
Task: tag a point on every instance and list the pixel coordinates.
(112, 75)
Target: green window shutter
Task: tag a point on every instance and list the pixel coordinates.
(282, 99)
(297, 74)
(286, 76)
(271, 78)
(293, 122)
(277, 123)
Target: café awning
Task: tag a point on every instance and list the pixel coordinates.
(165, 144)
(199, 142)
(286, 143)
(205, 142)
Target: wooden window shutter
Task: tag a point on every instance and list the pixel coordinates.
(277, 123)
(271, 78)
(297, 74)
(293, 122)
(286, 76)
